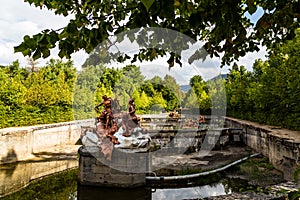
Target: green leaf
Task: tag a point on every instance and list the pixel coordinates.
(62, 53)
(26, 37)
(252, 9)
(147, 3)
(36, 55)
(46, 53)
(22, 47)
(26, 52)
(40, 37)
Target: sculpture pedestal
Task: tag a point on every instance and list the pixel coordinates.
(124, 170)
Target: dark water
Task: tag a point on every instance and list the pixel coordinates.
(63, 186)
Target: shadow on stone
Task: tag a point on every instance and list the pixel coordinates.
(11, 156)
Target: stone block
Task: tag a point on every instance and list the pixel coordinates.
(100, 169)
(119, 172)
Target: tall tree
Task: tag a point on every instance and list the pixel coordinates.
(89, 77)
(199, 90)
(158, 103)
(142, 102)
(190, 100)
(84, 103)
(131, 78)
(238, 82)
(270, 93)
(170, 82)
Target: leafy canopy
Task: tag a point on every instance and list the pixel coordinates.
(224, 26)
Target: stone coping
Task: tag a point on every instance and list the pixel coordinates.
(294, 136)
(8, 130)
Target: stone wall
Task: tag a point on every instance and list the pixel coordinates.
(124, 170)
(21, 143)
(281, 146)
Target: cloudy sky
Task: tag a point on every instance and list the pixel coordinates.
(18, 19)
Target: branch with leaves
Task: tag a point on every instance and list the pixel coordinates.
(224, 26)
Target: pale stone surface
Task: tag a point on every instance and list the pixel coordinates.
(21, 143)
(94, 172)
(281, 146)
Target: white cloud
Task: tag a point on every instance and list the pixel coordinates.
(18, 11)
(249, 59)
(18, 19)
(15, 31)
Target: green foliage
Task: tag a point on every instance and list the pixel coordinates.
(36, 98)
(142, 102)
(269, 94)
(294, 195)
(150, 95)
(297, 174)
(130, 79)
(56, 94)
(84, 103)
(91, 84)
(100, 91)
(199, 96)
(222, 25)
(217, 93)
(164, 95)
(158, 103)
(89, 77)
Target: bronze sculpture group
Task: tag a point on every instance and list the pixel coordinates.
(111, 119)
(106, 123)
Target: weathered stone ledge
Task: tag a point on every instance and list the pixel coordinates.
(122, 171)
(21, 143)
(281, 146)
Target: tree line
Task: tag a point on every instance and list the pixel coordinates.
(153, 95)
(150, 95)
(29, 98)
(268, 94)
(57, 92)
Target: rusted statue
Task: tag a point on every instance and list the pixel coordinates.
(113, 126)
(174, 114)
(131, 112)
(201, 121)
(130, 121)
(106, 124)
(106, 115)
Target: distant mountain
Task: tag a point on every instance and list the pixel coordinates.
(185, 88)
(222, 76)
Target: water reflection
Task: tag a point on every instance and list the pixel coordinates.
(91, 193)
(145, 193)
(190, 193)
(63, 186)
(17, 175)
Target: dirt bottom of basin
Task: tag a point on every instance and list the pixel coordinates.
(187, 163)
